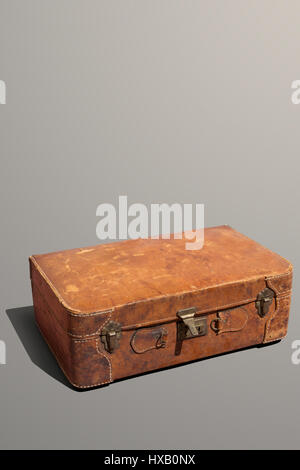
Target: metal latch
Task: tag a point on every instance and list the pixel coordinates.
(110, 336)
(264, 301)
(189, 326)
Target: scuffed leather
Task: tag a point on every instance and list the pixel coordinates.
(142, 284)
(230, 321)
(277, 324)
(144, 340)
(111, 275)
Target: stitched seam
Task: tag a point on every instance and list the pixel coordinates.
(87, 315)
(71, 311)
(109, 365)
(104, 355)
(140, 325)
(97, 344)
(283, 296)
(278, 298)
(57, 357)
(93, 335)
(269, 321)
(61, 300)
(53, 315)
(164, 320)
(173, 319)
(278, 308)
(287, 273)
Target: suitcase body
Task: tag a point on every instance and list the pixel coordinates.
(120, 309)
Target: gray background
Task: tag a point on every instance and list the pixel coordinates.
(163, 101)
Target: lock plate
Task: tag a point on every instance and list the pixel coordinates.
(190, 326)
(264, 301)
(110, 336)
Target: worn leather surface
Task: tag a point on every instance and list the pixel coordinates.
(81, 359)
(115, 274)
(277, 323)
(142, 284)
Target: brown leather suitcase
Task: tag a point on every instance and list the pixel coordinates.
(121, 309)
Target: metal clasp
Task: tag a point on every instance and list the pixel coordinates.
(264, 301)
(110, 336)
(189, 326)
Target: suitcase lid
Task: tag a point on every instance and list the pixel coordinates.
(123, 276)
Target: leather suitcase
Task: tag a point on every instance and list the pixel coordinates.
(120, 309)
